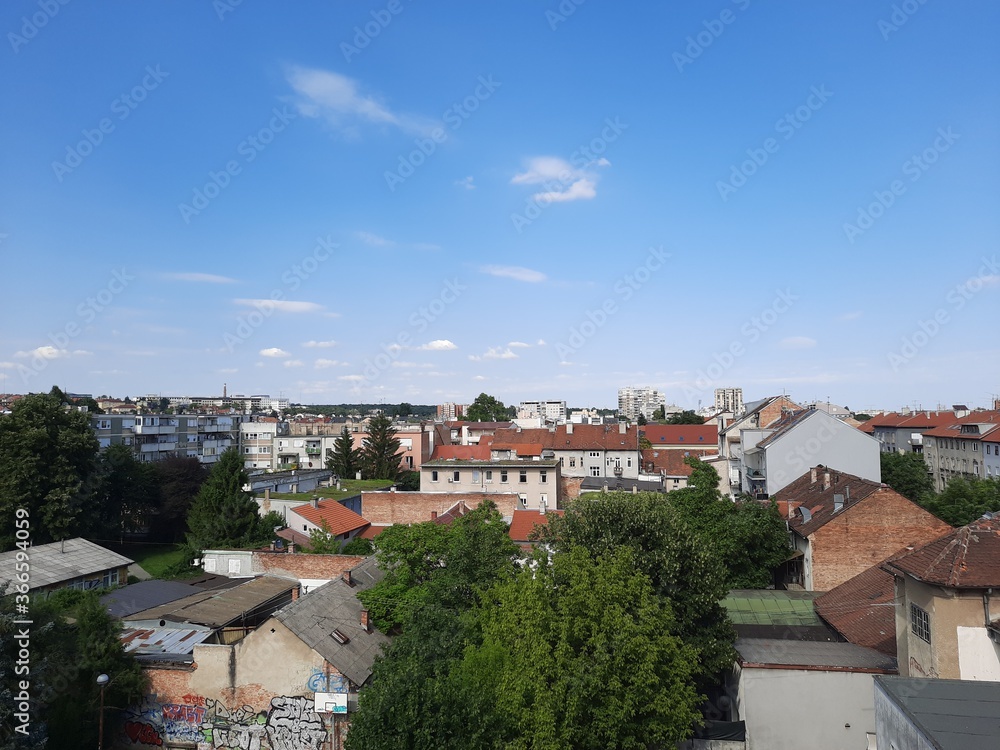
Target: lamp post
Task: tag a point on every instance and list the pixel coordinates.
(102, 680)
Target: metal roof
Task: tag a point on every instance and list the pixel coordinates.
(772, 607)
(218, 608)
(787, 654)
(143, 595)
(335, 606)
(60, 562)
(167, 644)
(951, 714)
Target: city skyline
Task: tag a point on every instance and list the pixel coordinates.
(392, 202)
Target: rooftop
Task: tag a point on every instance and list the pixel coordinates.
(968, 557)
(775, 653)
(863, 609)
(59, 562)
(215, 609)
(339, 518)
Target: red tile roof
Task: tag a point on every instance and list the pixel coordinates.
(862, 609)
(341, 520)
(670, 461)
(968, 557)
(682, 434)
(463, 452)
(811, 495)
(525, 520)
(583, 437)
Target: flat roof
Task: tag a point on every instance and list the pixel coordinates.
(772, 607)
(778, 653)
(951, 714)
(218, 608)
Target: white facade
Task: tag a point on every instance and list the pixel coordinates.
(154, 437)
(991, 457)
(547, 411)
(729, 399)
(635, 401)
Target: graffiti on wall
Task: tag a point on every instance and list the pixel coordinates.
(291, 723)
(320, 682)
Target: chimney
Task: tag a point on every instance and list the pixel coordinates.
(826, 481)
(605, 487)
(272, 546)
(838, 503)
(267, 493)
(347, 578)
(291, 548)
(295, 593)
(812, 475)
(569, 428)
(622, 428)
(434, 514)
(314, 502)
(392, 489)
(635, 489)
(365, 622)
(338, 484)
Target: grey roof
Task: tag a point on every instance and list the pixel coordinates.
(951, 714)
(616, 484)
(163, 644)
(335, 606)
(216, 609)
(143, 595)
(781, 653)
(59, 562)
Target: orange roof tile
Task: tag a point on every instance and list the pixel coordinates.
(968, 557)
(341, 520)
(524, 521)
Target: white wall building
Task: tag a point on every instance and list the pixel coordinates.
(153, 437)
(729, 399)
(635, 401)
(547, 411)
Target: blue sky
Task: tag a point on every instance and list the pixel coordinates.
(422, 201)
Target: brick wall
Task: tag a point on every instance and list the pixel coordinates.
(772, 411)
(866, 533)
(386, 508)
(569, 489)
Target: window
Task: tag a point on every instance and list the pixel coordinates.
(629, 462)
(524, 501)
(234, 565)
(434, 476)
(209, 564)
(523, 476)
(595, 471)
(489, 475)
(503, 476)
(104, 424)
(920, 623)
(475, 476)
(572, 462)
(595, 454)
(562, 461)
(455, 476)
(543, 476)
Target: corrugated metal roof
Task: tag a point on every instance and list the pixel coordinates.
(772, 607)
(63, 561)
(143, 595)
(162, 641)
(218, 608)
(779, 653)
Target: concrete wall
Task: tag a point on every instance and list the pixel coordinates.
(947, 610)
(978, 656)
(791, 709)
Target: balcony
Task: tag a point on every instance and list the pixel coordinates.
(313, 451)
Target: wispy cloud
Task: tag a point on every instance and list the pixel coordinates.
(294, 363)
(341, 102)
(412, 365)
(51, 352)
(206, 278)
(854, 315)
(280, 305)
(562, 181)
(274, 352)
(469, 183)
(319, 344)
(518, 345)
(438, 345)
(352, 378)
(797, 342)
(518, 273)
(322, 364)
(374, 240)
(494, 352)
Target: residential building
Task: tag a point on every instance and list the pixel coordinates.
(903, 433)
(842, 524)
(834, 410)
(154, 437)
(340, 522)
(863, 610)
(258, 442)
(450, 412)
(524, 522)
(633, 402)
(947, 619)
(535, 480)
(936, 714)
(669, 466)
(775, 456)
(729, 399)
(306, 446)
(957, 449)
(309, 571)
(991, 455)
(69, 564)
(756, 415)
(682, 437)
(547, 411)
(383, 509)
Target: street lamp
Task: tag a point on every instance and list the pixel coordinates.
(102, 680)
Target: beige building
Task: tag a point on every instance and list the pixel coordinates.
(534, 480)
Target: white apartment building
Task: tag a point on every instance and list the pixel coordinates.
(547, 411)
(258, 443)
(729, 399)
(156, 436)
(635, 401)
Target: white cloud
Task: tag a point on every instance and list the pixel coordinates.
(518, 273)
(322, 364)
(7, 365)
(468, 183)
(294, 363)
(412, 365)
(546, 169)
(319, 344)
(563, 182)
(479, 377)
(541, 342)
(46, 352)
(370, 238)
(494, 352)
(340, 101)
(208, 278)
(518, 344)
(438, 345)
(797, 342)
(274, 352)
(582, 189)
(281, 305)
(352, 378)
(228, 370)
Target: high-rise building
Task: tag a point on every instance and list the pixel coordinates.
(635, 401)
(548, 411)
(729, 399)
(450, 412)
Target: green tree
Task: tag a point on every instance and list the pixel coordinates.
(587, 657)
(223, 514)
(487, 409)
(641, 421)
(682, 568)
(659, 414)
(964, 500)
(48, 465)
(907, 474)
(409, 481)
(128, 493)
(685, 417)
(179, 478)
(343, 459)
(358, 546)
(322, 542)
(404, 410)
(380, 452)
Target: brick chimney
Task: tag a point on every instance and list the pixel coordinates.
(434, 514)
(826, 481)
(812, 475)
(295, 593)
(365, 622)
(347, 578)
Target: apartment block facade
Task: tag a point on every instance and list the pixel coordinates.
(633, 402)
(154, 437)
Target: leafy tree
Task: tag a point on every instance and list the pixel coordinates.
(223, 514)
(343, 459)
(659, 414)
(128, 493)
(73, 639)
(322, 542)
(404, 410)
(682, 568)
(487, 409)
(379, 454)
(644, 443)
(641, 421)
(907, 474)
(358, 546)
(587, 657)
(964, 500)
(48, 462)
(864, 418)
(409, 481)
(180, 478)
(749, 538)
(685, 417)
